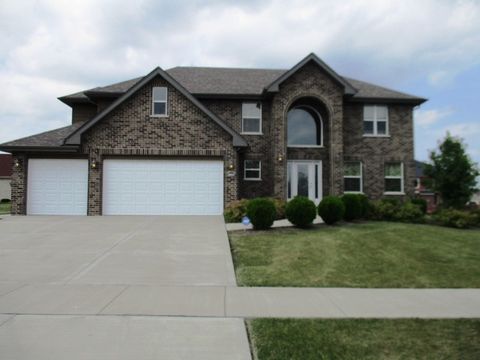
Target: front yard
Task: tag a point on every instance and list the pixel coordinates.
(365, 339)
(373, 254)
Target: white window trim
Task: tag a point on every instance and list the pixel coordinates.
(402, 180)
(259, 169)
(355, 177)
(157, 101)
(375, 121)
(259, 119)
(321, 131)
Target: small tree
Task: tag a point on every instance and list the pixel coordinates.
(453, 172)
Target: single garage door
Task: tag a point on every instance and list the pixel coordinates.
(162, 187)
(57, 187)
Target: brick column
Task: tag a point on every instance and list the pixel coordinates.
(19, 184)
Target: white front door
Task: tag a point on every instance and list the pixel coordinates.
(162, 187)
(305, 179)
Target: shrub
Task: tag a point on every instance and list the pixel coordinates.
(454, 218)
(366, 206)
(384, 209)
(422, 203)
(5, 201)
(301, 211)
(280, 206)
(235, 211)
(331, 209)
(353, 206)
(410, 212)
(261, 212)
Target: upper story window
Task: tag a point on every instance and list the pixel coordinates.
(251, 118)
(159, 101)
(394, 178)
(352, 178)
(375, 120)
(304, 127)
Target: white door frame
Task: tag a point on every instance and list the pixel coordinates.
(293, 166)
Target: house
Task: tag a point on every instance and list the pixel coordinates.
(5, 175)
(422, 188)
(190, 140)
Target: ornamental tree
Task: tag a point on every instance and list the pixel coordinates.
(453, 172)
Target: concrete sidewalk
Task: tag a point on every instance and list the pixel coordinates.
(276, 224)
(238, 302)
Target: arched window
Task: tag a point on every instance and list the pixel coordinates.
(304, 127)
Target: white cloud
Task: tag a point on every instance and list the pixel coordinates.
(427, 118)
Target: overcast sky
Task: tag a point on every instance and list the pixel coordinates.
(428, 48)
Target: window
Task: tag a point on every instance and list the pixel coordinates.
(394, 178)
(375, 120)
(352, 178)
(252, 169)
(304, 127)
(159, 97)
(251, 118)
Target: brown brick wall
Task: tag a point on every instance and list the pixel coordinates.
(131, 130)
(19, 185)
(259, 145)
(83, 112)
(374, 152)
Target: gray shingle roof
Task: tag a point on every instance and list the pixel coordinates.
(50, 138)
(237, 81)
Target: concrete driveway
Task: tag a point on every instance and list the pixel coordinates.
(60, 278)
(118, 250)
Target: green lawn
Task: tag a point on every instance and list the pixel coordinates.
(365, 339)
(5, 208)
(374, 254)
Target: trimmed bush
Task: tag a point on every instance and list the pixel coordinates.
(365, 205)
(353, 207)
(5, 201)
(454, 218)
(384, 210)
(301, 211)
(261, 212)
(410, 212)
(422, 203)
(235, 211)
(331, 209)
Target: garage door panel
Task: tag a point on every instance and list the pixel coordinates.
(57, 187)
(162, 187)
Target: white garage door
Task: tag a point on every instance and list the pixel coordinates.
(57, 187)
(162, 187)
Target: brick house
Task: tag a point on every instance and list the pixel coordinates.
(189, 140)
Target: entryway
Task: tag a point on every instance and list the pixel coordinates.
(305, 179)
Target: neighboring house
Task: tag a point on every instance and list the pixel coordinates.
(190, 140)
(5, 176)
(422, 189)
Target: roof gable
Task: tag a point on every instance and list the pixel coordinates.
(75, 137)
(348, 88)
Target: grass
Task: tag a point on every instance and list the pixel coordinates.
(374, 254)
(365, 339)
(5, 208)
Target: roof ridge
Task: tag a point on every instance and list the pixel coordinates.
(225, 68)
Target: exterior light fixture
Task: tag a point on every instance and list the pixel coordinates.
(93, 164)
(231, 167)
(16, 163)
(280, 158)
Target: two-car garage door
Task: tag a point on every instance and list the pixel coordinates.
(130, 187)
